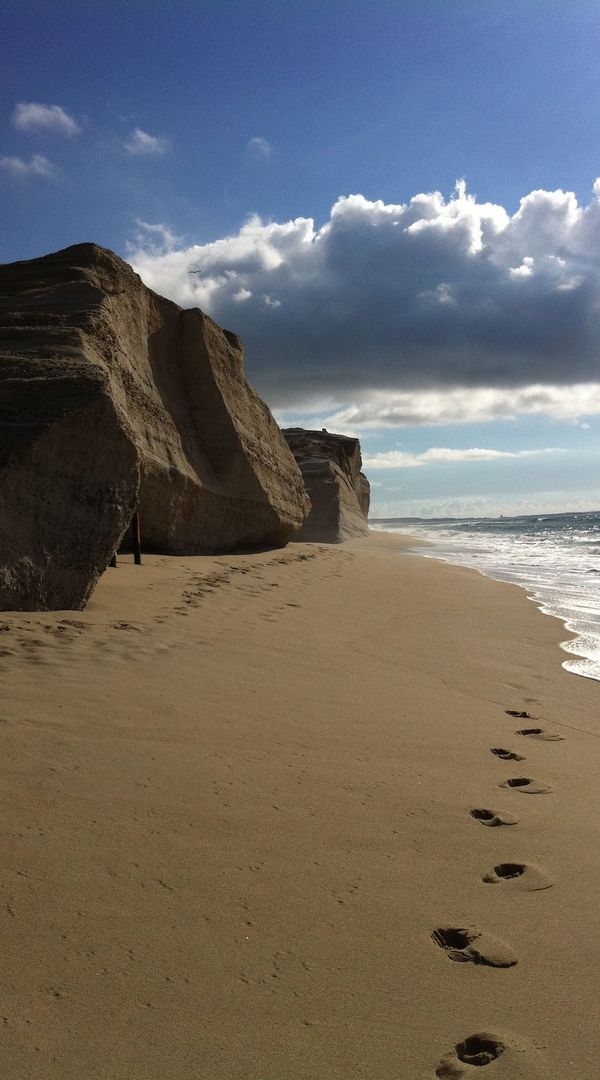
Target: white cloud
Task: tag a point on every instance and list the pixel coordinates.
(394, 459)
(440, 455)
(540, 502)
(378, 409)
(442, 294)
(259, 147)
(36, 166)
(430, 311)
(33, 116)
(155, 237)
(524, 270)
(570, 283)
(142, 144)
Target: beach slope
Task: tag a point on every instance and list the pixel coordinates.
(237, 829)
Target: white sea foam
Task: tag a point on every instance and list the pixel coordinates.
(556, 558)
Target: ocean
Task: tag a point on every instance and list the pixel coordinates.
(554, 557)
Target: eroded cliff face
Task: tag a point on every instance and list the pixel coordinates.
(339, 492)
(114, 398)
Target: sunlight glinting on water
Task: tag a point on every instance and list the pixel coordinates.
(555, 557)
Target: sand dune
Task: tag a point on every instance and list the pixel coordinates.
(242, 801)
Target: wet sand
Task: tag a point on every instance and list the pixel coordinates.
(236, 805)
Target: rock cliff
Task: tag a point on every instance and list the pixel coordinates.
(114, 398)
(339, 492)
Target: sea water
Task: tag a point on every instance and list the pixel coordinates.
(555, 557)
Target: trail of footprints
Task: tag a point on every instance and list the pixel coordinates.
(472, 945)
(461, 944)
(36, 640)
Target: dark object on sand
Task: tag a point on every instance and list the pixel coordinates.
(136, 539)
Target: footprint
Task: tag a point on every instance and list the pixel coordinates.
(512, 1057)
(471, 944)
(526, 876)
(480, 1049)
(526, 785)
(506, 755)
(540, 733)
(493, 818)
(520, 715)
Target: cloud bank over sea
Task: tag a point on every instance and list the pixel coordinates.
(433, 311)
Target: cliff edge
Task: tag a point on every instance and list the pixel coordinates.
(339, 492)
(115, 399)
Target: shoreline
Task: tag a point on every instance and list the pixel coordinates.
(420, 549)
(237, 803)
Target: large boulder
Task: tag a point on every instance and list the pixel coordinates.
(115, 399)
(339, 492)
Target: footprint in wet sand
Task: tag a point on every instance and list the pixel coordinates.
(468, 944)
(526, 785)
(506, 755)
(526, 876)
(493, 818)
(511, 1057)
(540, 733)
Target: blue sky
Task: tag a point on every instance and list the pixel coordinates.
(291, 154)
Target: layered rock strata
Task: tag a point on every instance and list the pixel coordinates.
(115, 399)
(339, 492)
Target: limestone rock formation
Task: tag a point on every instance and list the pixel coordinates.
(339, 492)
(112, 399)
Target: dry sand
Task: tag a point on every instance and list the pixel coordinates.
(235, 806)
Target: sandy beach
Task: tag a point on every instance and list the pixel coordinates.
(236, 798)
